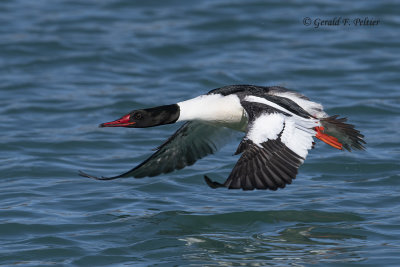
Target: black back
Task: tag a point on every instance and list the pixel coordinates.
(265, 92)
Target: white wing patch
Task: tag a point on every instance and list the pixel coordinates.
(296, 134)
(297, 139)
(265, 127)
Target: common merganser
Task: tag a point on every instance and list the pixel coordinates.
(279, 126)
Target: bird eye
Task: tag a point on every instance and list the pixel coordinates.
(138, 116)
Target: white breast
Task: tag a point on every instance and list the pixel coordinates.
(216, 109)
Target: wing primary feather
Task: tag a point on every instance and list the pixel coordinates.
(250, 176)
(102, 178)
(212, 184)
(264, 154)
(235, 182)
(261, 177)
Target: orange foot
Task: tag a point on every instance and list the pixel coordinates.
(330, 140)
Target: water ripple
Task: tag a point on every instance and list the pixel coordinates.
(70, 65)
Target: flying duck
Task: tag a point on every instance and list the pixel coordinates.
(279, 124)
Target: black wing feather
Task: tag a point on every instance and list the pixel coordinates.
(263, 168)
(193, 141)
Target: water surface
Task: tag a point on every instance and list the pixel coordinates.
(67, 66)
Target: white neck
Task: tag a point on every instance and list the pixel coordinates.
(212, 108)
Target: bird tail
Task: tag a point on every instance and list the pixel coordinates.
(337, 133)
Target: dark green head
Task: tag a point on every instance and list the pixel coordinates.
(149, 117)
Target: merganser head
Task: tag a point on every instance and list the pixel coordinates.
(143, 118)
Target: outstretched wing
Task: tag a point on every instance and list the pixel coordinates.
(275, 146)
(193, 141)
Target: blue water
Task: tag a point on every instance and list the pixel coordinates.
(67, 66)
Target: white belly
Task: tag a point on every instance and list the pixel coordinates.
(216, 109)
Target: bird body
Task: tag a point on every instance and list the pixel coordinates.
(279, 124)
